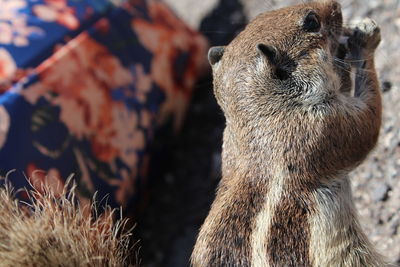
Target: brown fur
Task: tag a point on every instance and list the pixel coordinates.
(291, 213)
(56, 231)
(290, 139)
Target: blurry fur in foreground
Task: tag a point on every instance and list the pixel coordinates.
(56, 231)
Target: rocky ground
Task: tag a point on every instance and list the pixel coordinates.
(186, 182)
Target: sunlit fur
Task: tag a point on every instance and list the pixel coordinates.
(56, 231)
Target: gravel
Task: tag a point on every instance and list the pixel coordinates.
(184, 189)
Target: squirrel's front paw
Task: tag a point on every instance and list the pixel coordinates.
(364, 39)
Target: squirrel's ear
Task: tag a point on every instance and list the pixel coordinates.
(270, 52)
(275, 60)
(215, 54)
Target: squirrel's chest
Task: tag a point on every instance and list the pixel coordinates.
(259, 230)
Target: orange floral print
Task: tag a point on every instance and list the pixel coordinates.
(13, 25)
(89, 108)
(166, 36)
(8, 67)
(57, 10)
(4, 125)
(82, 75)
(42, 180)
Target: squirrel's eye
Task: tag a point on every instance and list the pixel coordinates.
(311, 23)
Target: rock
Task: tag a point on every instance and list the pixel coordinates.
(386, 86)
(380, 192)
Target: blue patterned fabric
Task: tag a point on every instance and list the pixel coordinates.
(84, 85)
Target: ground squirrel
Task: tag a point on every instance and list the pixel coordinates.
(293, 132)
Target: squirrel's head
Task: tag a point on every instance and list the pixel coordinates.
(283, 59)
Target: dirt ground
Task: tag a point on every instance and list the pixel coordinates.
(186, 181)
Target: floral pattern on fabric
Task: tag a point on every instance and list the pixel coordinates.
(59, 11)
(166, 37)
(13, 23)
(88, 97)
